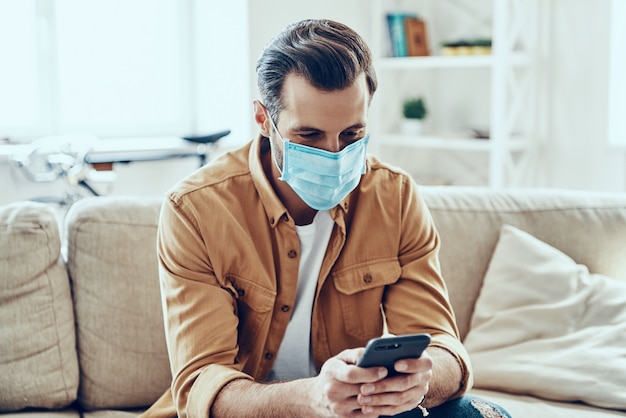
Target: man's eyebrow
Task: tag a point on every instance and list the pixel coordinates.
(305, 128)
(359, 125)
(310, 128)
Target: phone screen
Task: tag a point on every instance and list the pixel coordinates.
(385, 351)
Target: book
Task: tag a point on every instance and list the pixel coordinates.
(407, 34)
(397, 35)
(416, 37)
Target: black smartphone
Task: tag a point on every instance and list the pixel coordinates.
(385, 351)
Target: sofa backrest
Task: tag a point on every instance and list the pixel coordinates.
(38, 364)
(111, 251)
(590, 227)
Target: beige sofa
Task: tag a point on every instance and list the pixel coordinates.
(81, 322)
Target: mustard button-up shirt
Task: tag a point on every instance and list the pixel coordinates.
(228, 265)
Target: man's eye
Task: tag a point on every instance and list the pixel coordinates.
(311, 135)
(352, 136)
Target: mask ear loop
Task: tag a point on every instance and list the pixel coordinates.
(273, 147)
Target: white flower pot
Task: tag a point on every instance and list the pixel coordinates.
(412, 126)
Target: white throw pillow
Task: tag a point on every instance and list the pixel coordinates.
(543, 325)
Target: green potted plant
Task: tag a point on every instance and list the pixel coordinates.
(414, 111)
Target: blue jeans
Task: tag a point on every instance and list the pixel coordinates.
(464, 407)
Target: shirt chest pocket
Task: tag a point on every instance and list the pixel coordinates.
(360, 292)
(254, 307)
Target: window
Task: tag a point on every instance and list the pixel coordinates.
(122, 68)
(20, 109)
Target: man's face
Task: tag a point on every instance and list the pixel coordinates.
(328, 120)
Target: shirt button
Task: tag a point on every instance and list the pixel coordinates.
(269, 356)
(284, 308)
(367, 278)
(241, 292)
(292, 254)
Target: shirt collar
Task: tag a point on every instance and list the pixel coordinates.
(274, 208)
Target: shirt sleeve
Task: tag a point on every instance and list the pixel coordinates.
(419, 301)
(202, 357)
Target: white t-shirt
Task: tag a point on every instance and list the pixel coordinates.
(294, 359)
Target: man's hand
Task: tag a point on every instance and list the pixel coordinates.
(343, 389)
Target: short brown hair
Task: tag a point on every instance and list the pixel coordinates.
(328, 54)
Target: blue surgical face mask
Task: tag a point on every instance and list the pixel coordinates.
(322, 178)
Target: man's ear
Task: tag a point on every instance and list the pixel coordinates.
(261, 117)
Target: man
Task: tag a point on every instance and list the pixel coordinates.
(280, 260)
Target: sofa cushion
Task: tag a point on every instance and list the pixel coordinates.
(588, 226)
(545, 326)
(38, 363)
(111, 244)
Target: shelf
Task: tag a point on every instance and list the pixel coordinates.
(442, 62)
(493, 91)
(447, 142)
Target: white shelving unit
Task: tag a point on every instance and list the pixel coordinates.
(496, 90)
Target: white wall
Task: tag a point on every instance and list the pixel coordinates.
(577, 151)
(617, 82)
(222, 68)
